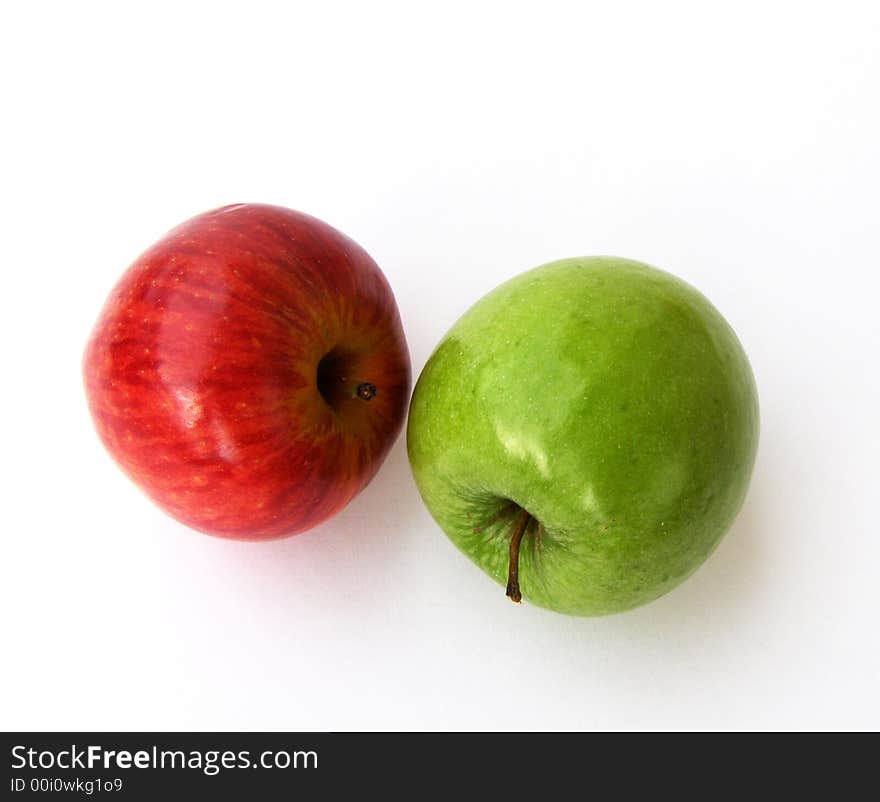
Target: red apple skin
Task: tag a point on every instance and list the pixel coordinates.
(201, 373)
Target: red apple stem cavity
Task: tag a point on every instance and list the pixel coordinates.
(522, 523)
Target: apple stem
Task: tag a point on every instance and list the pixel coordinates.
(365, 391)
(522, 523)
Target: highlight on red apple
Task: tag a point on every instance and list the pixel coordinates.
(249, 371)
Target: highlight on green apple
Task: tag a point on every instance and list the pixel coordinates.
(586, 433)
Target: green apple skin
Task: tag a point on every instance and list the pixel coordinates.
(612, 402)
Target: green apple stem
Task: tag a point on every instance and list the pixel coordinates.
(522, 523)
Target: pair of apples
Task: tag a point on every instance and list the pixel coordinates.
(585, 433)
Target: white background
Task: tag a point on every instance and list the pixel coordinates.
(734, 144)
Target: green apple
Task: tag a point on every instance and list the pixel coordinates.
(585, 433)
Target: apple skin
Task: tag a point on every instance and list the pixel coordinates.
(201, 372)
(613, 403)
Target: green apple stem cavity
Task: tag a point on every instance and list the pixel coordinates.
(522, 523)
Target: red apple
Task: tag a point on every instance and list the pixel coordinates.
(249, 371)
